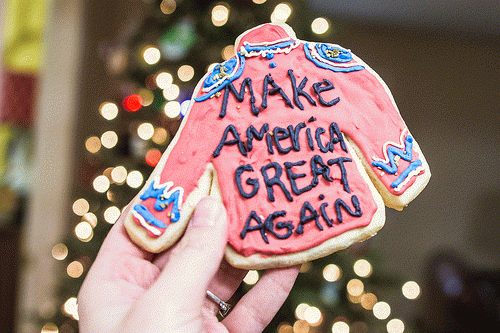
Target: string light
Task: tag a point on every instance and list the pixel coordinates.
(362, 268)
(220, 14)
(355, 287)
(112, 214)
(411, 290)
(145, 131)
(109, 139)
(132, 103)
(395, 326)
(147, 96)
(90, 218)
(171, 92)
(59, 251)
(252, 277)
(81, 207)
(228, 52)
(168, 6)
(259, 2)
(368, 300)
(285, 328)
(119, 174)
(153, 157)
(172, 109)
(160, 135)
(164, 80)
(50, 328)
(70, 308)
(381, 310)
(185, 73)
(332, 273)
(281, 13)
(134, 179)
(75, 269)
(320, 25)
(301, 326)
(84, 231)
(101, 184)
(151, 55)
(340, 327)
(313, 316)
(108, 110)
(93, 144)
(300, 310)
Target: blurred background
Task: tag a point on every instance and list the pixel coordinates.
(93, 91)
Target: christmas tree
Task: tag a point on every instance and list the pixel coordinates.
(156, 68)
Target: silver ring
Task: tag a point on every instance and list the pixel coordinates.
(224, 307)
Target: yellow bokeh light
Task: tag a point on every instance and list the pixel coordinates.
(90, 218)
(411, 290)
(301, 326)
(259, 2)
(50, 328)
(84, 231)
(151, 55)
(332, 273)
(134, 179)
(252, 277)
(220, 14)
(101, 184)
(363, 268)
(185, 73)
(381, 310)
(93, 144)
(168, 6)
(355, 287)
(108, 110)
(119, 174)
(368, 300)
(313, 316)
(395, 326)
(281, 13)
(172, 109)
(228, 52)
(59, 251)
(285, 328)
(109, 139)
(147, 96)
(70, 308)
(80, 207)
(340, 327)
(160, 136)
(112, 214)
(300, 310)
(75, 269)
(145, 131)
(320, 25)
(171, 92)
(164, 80)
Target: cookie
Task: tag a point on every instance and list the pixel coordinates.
(301, 141)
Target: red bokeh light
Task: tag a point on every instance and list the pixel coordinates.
(153, 157)
(132, 103)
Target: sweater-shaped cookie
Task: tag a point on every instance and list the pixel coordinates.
(302, 142)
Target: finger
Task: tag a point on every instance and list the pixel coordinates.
(259, 306)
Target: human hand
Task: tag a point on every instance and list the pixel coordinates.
(130, 290)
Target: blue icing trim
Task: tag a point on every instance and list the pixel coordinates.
(392, 151)
(270, 56)
(220, 71)
(333, 53)
(148, 217)
(272, 64)
(164, 197)
(324, 65)
(412, 167)
(250, 48)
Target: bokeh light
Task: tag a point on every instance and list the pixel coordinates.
(112, 214)
(84, 231)
(153, 157)
(228, 52)
(168, 6)
(91, 219)
(320, 25)
(59, 251)
(301, 326)
(332, 273)
(285, 328)
(75, 269)
(119, 174)
(313, 316)
(185, 107)
(151, 55)
(109, 139)
(368, 300)
(147, 96)
(252, 277)
(146, 131)
(300, 310)
(259, 2)
(132, 103)
(185, 73)
(108, 110)
(171, 92)
(172, 109)
(164, 80)
(355, 287)
(381, 310)
(160, 136)
(411, 290)
(362, 268)
(93, 144)
(340, 327)
(395, 326)
(80, 207)
(101, 184)
(134, 179)
(220, 14)
(49, 328)
(70, 308)
(281, 13)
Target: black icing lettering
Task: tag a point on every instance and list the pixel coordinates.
(260, 226)
(250, 181)
(269, 223)
(268, 80)
(269, 141)
(324, 215)
(270, 182)
(294, 134)
(318, 167)
(225, 142)
(339, 203)
(281, 134)
(336, 137)
(298, 91)
(294, 176)
(239, 96)
(310, 142)
(311, 119)
(319, 131)
(306, 207)
(253, 133)
(340, 162)
(319, 89)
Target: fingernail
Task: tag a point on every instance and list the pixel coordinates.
(207, 213)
